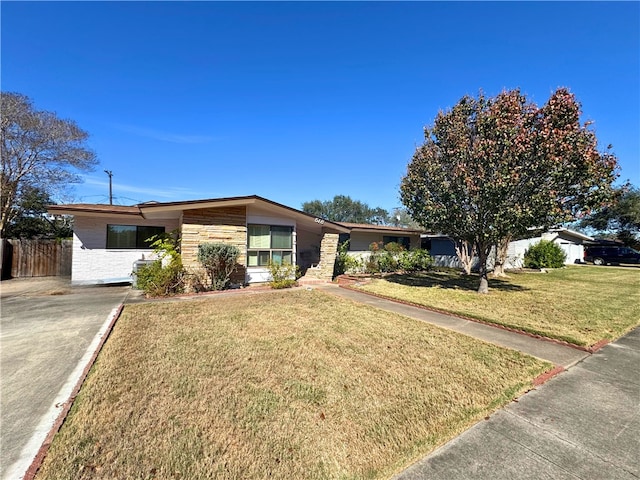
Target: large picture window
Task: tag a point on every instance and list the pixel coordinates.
(404, 241)
(131, 236)
(269, 243)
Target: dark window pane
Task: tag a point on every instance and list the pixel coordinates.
(263, 258)
(121, 236)
(131, 236)
(259, 236)
(145, 234)
(281, 237)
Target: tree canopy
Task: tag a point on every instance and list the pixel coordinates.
(39, 151)
(343, 209)
(490, 168)
(620, 219)
(31, 220)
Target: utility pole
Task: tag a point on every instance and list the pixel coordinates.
(110, 173)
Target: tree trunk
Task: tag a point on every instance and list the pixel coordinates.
(465, 251)
(502, 248)
(483, 254)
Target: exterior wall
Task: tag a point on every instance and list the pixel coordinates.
(575, 253)
(516, 249)
(308, 248)
(224, 225)
(93, 263)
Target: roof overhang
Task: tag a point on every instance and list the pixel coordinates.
(164, 210)
(363, 227)
(572, 233)
(94, 210)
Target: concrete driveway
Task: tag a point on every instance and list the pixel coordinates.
(46, 329)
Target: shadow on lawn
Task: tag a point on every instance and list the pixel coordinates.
(451, 280)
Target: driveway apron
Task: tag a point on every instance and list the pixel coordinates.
(46, 328)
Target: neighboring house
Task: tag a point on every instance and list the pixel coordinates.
(361, 236)
(108, 239)
(571, 242)
(442, 249)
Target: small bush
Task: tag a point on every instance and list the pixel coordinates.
(393, 257)
(165, 276)
(219, 261)
(394, 247)
(387, 262)
(283, 275)
(346, 263)
(544, 254)
(415, 261)
(160, 281)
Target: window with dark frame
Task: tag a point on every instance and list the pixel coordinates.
(269, 243)
(131, 236)
(404, 241)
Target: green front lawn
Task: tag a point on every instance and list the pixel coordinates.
(277, 385)
(577, 304)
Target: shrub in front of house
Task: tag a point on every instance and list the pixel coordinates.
(219, 261)
(165, 276)
(156, 280)
(346, 263)
(283, 275)
(544, 254)
(393, 258)
(415, 261)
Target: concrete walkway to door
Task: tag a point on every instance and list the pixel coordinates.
(47, 328)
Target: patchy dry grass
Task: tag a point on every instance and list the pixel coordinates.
(283, 385)
(578, 304)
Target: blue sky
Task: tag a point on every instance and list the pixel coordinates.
(304, 101)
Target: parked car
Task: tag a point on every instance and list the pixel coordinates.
(604, 254)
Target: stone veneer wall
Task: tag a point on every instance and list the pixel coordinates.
(328, 253)
(224, 225)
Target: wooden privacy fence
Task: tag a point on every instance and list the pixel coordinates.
(36, 258)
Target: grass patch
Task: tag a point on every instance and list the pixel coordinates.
(284, 385)
(577, 304)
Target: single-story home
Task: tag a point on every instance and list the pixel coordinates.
(108, 240)
(442, 249)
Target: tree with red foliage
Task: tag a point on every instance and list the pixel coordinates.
(490, 168)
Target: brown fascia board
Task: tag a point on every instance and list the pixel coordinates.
(93, 209)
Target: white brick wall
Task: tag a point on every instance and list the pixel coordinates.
(92, 263)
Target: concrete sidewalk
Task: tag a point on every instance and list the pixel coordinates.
(558, 354)
(583, 424)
